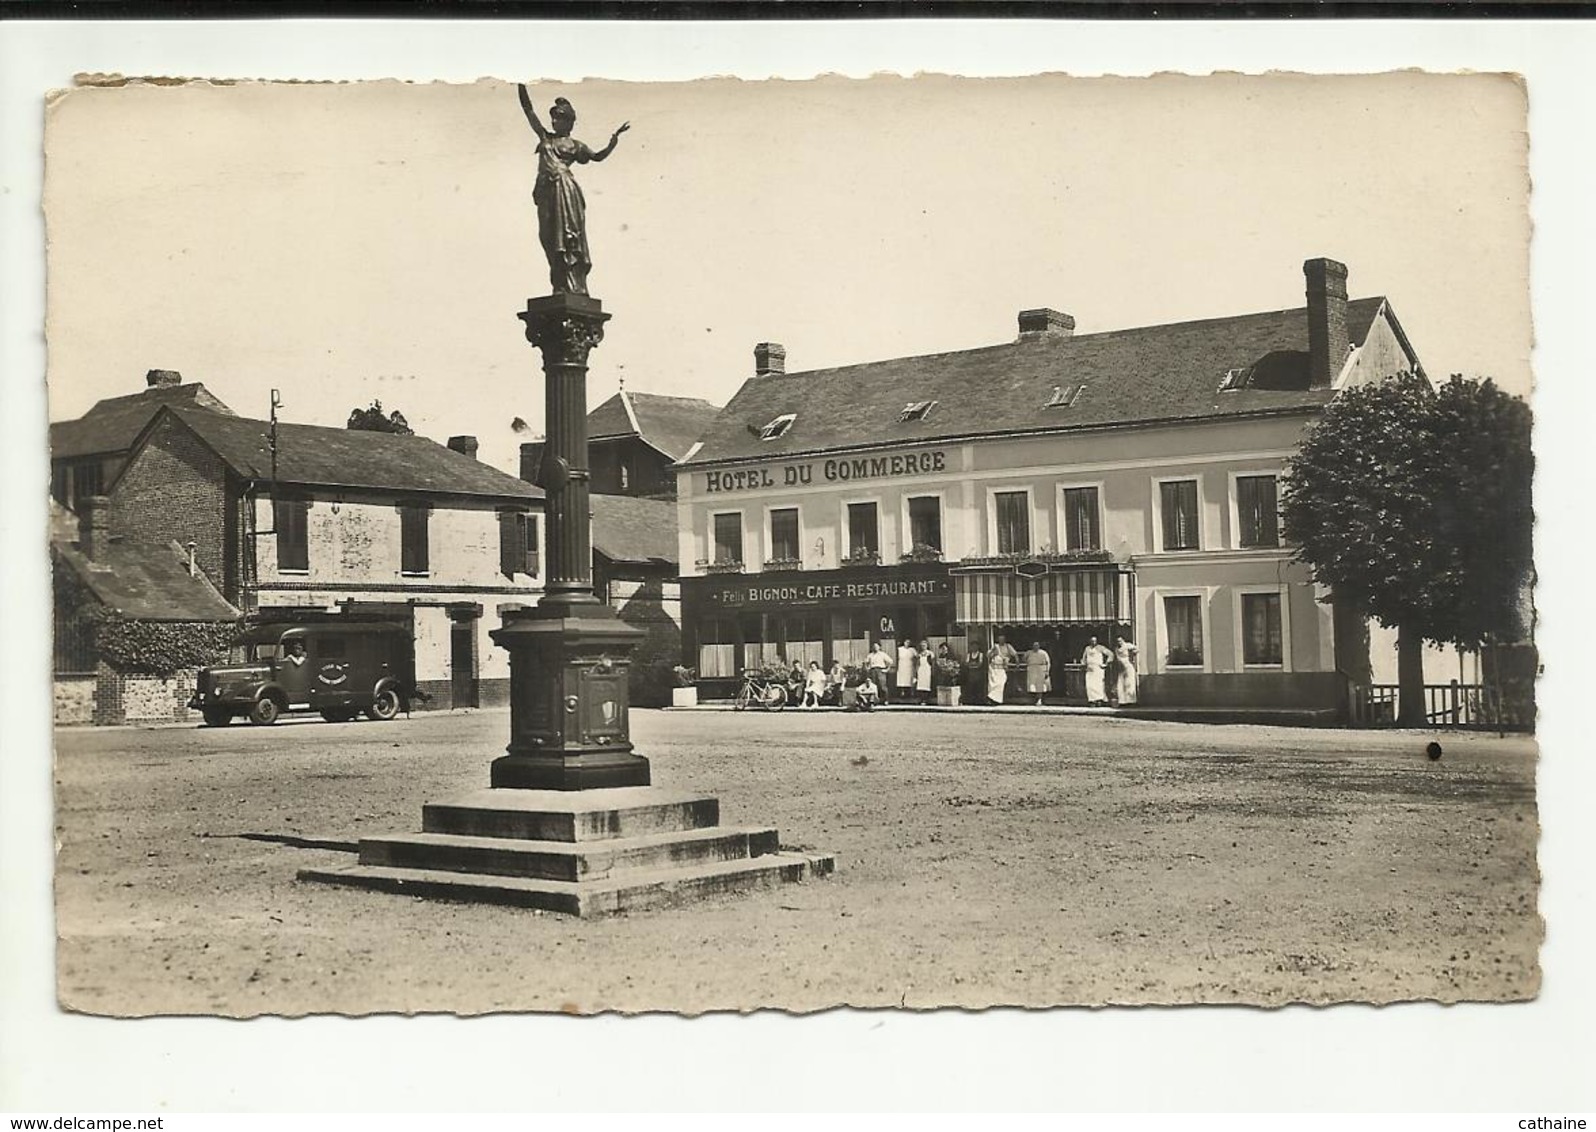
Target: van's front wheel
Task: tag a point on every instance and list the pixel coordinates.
(385, 706)
(265, 711)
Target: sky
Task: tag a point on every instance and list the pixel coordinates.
(349, 242)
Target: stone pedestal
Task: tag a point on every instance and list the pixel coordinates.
(585, 853)
(568, 703)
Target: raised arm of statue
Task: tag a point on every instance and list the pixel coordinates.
(600, 155)
(532, 115)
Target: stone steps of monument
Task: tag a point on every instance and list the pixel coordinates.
(567, 861)
(571, 815)
(634, 892)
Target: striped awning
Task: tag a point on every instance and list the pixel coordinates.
(1057, 597)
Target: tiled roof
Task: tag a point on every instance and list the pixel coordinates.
(1143, 375)
(114, 423)
(628, 529)
(320, 456)
(148, 582)
(671, 424)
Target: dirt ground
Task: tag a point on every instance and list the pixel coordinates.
(981, 860)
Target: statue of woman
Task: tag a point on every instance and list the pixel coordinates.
(562, 213)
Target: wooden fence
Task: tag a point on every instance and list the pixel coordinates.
(1447, 705)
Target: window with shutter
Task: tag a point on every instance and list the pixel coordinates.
(290, 519)
(1258, 510)
(1178, 504)
(1081, 524)
(413, 548)
(925, 522)
(1183, 621)
(729, 537)
(784, 534)
(864, 530)
(1013, 521)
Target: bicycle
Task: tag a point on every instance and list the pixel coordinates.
(761, 692)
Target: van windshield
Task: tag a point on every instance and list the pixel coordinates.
(264, 651)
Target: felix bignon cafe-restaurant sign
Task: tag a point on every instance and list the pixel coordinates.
(908, 581)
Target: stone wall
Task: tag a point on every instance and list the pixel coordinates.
(121, 697)
(74, 699)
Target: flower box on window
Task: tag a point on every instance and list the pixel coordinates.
(921, 552)
(784, 564)
(863, 558)
(1049, 557)
(723, 566)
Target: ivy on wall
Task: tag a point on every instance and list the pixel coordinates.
(146, 648)
(159, 648)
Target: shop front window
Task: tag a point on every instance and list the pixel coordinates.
(717, 650)
(803, 639)
(850, 637)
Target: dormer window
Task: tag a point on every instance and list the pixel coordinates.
(1064, 396)
(778, 427)
(916, 411)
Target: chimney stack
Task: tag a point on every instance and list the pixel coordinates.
(1327, 321)
(1043, 322)
(94, 526)
(162, 379)
(770, 359)
(466, 445)
(531, 460)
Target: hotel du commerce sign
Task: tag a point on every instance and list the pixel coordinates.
(842, 469)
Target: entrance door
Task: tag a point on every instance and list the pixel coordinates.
(463, 662)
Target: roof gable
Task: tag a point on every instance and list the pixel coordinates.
(321, 456)
(670, 424)
(114, 423)
(1137, 376)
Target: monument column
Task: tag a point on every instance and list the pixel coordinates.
(570, 657)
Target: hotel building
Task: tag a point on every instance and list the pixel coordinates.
(1050, 489)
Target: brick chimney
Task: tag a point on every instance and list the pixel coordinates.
(1327, 320)
(770, 359)
(1043, 322)
(531, 460)
(162, 379)
(94, 526)
(467, 445)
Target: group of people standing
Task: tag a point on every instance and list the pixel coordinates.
(1098, 660)
(910, 676)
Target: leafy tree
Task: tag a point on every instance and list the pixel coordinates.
(1414, 504)
(372, 420)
